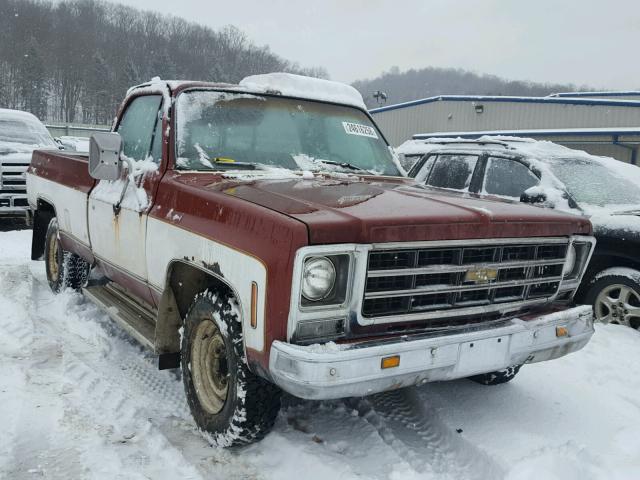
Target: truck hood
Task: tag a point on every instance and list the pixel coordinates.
(373, 209)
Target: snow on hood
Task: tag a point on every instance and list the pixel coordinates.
(291, 85)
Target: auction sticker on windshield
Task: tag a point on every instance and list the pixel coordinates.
(357, 129)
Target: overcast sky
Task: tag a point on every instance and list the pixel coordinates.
(582, 42)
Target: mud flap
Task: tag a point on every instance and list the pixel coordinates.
(167, 361)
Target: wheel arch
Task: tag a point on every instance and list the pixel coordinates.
(184, 280)
(45, 211)
(601, 261)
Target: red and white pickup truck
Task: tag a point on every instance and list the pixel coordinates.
(261, 237)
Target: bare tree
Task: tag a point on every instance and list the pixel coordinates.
(73, 60)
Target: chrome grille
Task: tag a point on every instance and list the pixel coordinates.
(13, 178)
(452, 276)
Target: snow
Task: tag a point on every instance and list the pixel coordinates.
(78, 144)
(290, 85)
(602, 182)
(80, 399)
(625, 272)
(18, 127)
(135, 198)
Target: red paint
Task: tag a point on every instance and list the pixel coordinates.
(69, 169)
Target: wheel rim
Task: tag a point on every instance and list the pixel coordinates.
(618, 304)
(54, 250)
(209, 366)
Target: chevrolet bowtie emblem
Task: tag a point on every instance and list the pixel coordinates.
(481, 275)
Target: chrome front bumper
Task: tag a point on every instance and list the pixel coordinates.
(333, 371)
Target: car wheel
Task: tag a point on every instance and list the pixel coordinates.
(498, 377)
(230, 404)
(64, 269)
(615, 296)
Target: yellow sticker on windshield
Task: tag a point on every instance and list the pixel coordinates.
(361, 130)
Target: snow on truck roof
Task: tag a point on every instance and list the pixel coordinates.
(285, 84)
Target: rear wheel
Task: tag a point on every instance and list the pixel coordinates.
(615, 296)
(498, 377)
(228, 402)
(64, 269)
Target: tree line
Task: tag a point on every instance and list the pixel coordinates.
(72, 61)
(430, 82)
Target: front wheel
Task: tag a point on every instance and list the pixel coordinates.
(498, 377)
(615, 296)
(64, 269)
(228, 402)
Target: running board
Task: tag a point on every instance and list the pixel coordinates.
(137, 320)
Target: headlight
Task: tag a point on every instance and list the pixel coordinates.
(570, 261)
(318, 278)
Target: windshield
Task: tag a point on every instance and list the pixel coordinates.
(595, 184)
(17, 130)
(227, 131)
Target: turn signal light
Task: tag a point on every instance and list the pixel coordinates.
(254, 305)
(390, 362)
(562, 332)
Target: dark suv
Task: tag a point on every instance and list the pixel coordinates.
(549, 175)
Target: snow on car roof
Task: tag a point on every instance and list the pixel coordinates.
(18, 114)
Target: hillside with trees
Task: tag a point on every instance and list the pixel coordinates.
(429, 82)
(72, 61)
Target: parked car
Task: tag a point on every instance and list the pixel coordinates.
(20, 134)
(603, 189)
(261, 237)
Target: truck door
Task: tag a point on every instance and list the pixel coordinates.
(118, 230)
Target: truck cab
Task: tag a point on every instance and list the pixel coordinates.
(263, 238)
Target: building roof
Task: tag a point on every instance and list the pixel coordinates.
(500, 98)
(616, 93)
(580, 132)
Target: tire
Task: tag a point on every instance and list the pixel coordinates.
(230, 404)
(64, 269)
(614, 294)
(498, 377)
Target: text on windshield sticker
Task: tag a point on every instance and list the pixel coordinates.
(357, 129)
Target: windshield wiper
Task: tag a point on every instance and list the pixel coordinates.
(344, 165)
(239, 165)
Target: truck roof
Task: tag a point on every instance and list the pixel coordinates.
(285, 84)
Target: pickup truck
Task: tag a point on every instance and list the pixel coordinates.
(262, 238)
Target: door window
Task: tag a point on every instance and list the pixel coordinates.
(138, 125)
(507, 177)
(452, 171)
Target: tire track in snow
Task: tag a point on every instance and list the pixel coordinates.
(416, 434)
(113, 387)
(38, 359)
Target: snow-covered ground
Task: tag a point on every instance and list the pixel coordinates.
(79, 399)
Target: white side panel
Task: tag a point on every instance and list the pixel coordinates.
(70, 205)
(119, 240)
(167, 242)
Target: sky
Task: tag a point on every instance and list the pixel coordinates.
(585, 42)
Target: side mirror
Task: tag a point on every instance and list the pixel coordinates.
(533, 198)
(104, 156)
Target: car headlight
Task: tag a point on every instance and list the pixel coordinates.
(318, 278)
(570, 261)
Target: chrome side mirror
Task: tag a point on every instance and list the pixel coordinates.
(104, 156)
